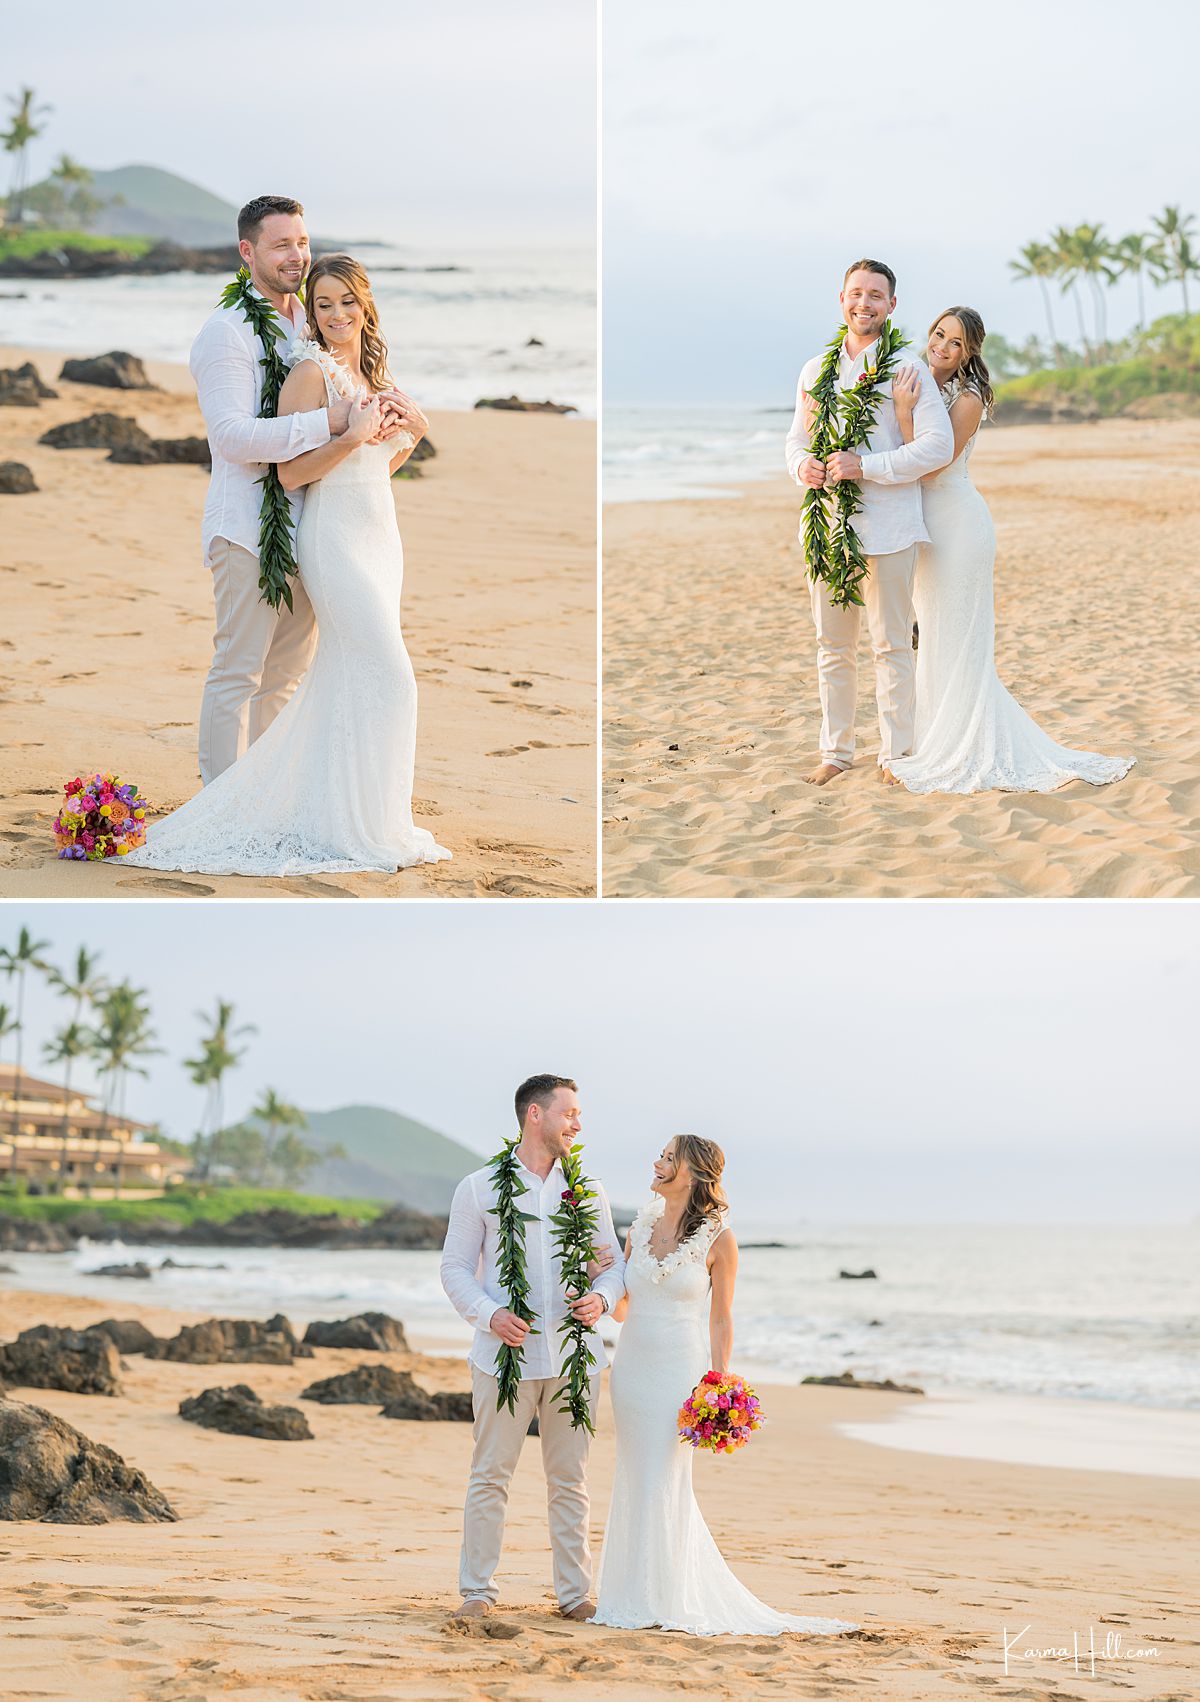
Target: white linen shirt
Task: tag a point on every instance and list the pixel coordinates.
(471, 1279)
(891, 518)
(225, 365)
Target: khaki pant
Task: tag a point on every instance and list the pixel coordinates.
(258, 659)
(889, 605)
(498, 1440)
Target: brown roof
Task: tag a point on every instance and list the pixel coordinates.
(34, 1085)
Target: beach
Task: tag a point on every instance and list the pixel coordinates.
(107, 632)
(326, 1569)
(712, 717)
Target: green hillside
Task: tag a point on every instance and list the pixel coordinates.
(388, 1157)
(1158, 374)
(159, 205)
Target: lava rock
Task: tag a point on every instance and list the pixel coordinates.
(128, 1335)
(240, 1412)
(28, 1235)
(226, 1341)
(163, 451)
(453, 1405)
(46, 1357)
(856, 1276)
(139, 1271)
(848, 1380)
(97, 431)
(116, 370)
(22, 387)
(52, 1472)
(373, 1332)
(366, 1385)
(514, 405)
(16, 479)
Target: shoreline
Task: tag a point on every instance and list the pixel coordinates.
(110, 622)
(328, 1567)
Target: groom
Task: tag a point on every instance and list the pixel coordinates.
(258, 655)
(549, 1120)
(890, 525)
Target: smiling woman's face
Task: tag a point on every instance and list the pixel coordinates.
(947, 347)
(337, 312)
(669, 1169)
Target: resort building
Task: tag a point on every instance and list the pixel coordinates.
(60, 1143)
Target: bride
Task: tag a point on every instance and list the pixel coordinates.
(328, 785)
(971, 734)
(660, 1566)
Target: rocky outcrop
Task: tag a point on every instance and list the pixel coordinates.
(165, 451)
(52, 1472)
(857, 1276)
(397, 1227)
(451, 1404)
(16, 479)
(369, 1331)
(33, 1235)
(848, 1380)
(116, 370)
(233, 1341)
(139, 1271)
(71, 262)
(46, 1357)
(514, 405)
(366, 1385)
(22, 387)
(240, 1412)
(97, 431)
(128, 1335)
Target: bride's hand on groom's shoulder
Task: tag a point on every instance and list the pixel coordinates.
(601, 1263)
(906, 390)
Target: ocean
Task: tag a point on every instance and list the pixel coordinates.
(653, 454)
(1095, 1314)
(453, 336)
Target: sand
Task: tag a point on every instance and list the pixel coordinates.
(711, 705)
(106, 635)
(325, 1569)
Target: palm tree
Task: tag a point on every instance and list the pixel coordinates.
(277, 1117)
(1069, 271)
(83, 985)
(1094, 256)
(1138, 253)
(1179, 259)
(72, 1041)
(23, 128)
(218, 1055)
(18, 960)
(122, 1035)
(1038, 260)
(8, 1025)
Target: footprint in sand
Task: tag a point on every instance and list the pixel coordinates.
(513, 750)
(155, 883)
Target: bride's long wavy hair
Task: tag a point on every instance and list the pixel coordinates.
(707, 1199)
(973, 372)
(348, 271)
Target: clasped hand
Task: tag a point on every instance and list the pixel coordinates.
(840, 468)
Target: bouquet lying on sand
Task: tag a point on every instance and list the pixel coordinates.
(101, 817)
(721, 1414)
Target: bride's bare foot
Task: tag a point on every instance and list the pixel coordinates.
(888, 778)
(824, 773)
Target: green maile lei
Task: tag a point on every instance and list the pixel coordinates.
(574, 1228)
(843, 420)
(276, 562)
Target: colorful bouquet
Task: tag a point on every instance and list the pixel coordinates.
(102, 817)
(721, 1414)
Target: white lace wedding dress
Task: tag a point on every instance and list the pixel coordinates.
(971, 735)
(328, 786)
(660, 1565)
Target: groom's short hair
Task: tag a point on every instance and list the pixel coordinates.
(539, 1090)
(254, 212)
(872, 266)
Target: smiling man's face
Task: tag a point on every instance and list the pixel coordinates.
(866, 300)
(279, 257)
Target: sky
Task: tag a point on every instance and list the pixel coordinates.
(750, 154)
(858, 1062)
(456, 123)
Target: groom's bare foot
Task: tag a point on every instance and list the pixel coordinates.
(585, 1610)
(475, 1608)
(824, 773)
(888, 778)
